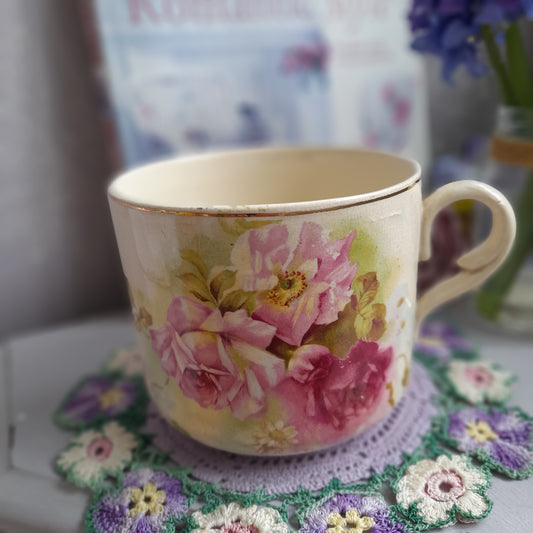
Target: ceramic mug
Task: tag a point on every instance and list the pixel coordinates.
(274, 290)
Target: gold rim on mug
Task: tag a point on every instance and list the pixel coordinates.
(270, 209)
(258, 214)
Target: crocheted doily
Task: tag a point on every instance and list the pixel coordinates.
(428, 465)
(368, 453)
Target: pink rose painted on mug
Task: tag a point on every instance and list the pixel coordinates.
(218, 360)
(300, 282)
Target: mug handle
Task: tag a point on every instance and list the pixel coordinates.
(480, 262)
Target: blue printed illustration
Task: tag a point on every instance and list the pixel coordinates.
(386, 109)
(178, 88)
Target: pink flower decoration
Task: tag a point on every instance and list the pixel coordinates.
(479, 381)
(338, 391)
(444, 486)
(479, 376)
(402, 110)
(99, 449)
(301, 279)
(238, 528)
(217, 360)
(313, 56)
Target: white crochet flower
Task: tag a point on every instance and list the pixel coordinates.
(92, 455)
(128, 361)
(234, 518)
(478, 381)
(445, 490)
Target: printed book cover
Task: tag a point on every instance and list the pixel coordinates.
(185, 76)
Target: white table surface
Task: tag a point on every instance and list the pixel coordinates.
(38, 369)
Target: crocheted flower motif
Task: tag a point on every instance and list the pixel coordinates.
(232, 518)
(127, 361)
(93, 455)
(99, 398)
(437, 493)
(439, 339)
(353, 513)
(501, 439)
(148, 501)
(480, 381)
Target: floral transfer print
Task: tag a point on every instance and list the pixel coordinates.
(480, 381)
(232, 518)
(502, 439)
(147, 501)
(353, 513)
(298, 286)
(218, 360)
(274, 437)
(336, 391)
(142, 318)
(440, 492)
(285, 333)
(93, 455)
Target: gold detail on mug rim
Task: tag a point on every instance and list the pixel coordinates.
(162, 210)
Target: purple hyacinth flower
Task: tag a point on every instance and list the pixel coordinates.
(501, 438)
(351, 511)
(451, 39)
(451, 29)
(453, 7)
(528, 8)
(456, 33)
(99, 396)
(419, 15)
(490, 13)
(466, 55)
(512, 9)
(146, 501)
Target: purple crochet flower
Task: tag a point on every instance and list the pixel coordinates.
(350, 512)
(147, 502)
(96, 398)
(501, 439)
(438, 338)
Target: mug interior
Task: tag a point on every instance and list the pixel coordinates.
(265, 180)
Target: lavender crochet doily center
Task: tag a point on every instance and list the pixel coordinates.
(357, 459)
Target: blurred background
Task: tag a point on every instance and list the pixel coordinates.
(89, 88)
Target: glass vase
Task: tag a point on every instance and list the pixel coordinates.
(507, 297)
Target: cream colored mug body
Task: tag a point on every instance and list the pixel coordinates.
(274, 290)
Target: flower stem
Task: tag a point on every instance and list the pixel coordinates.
(498, 65)
(491, 297)
(520, 75)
